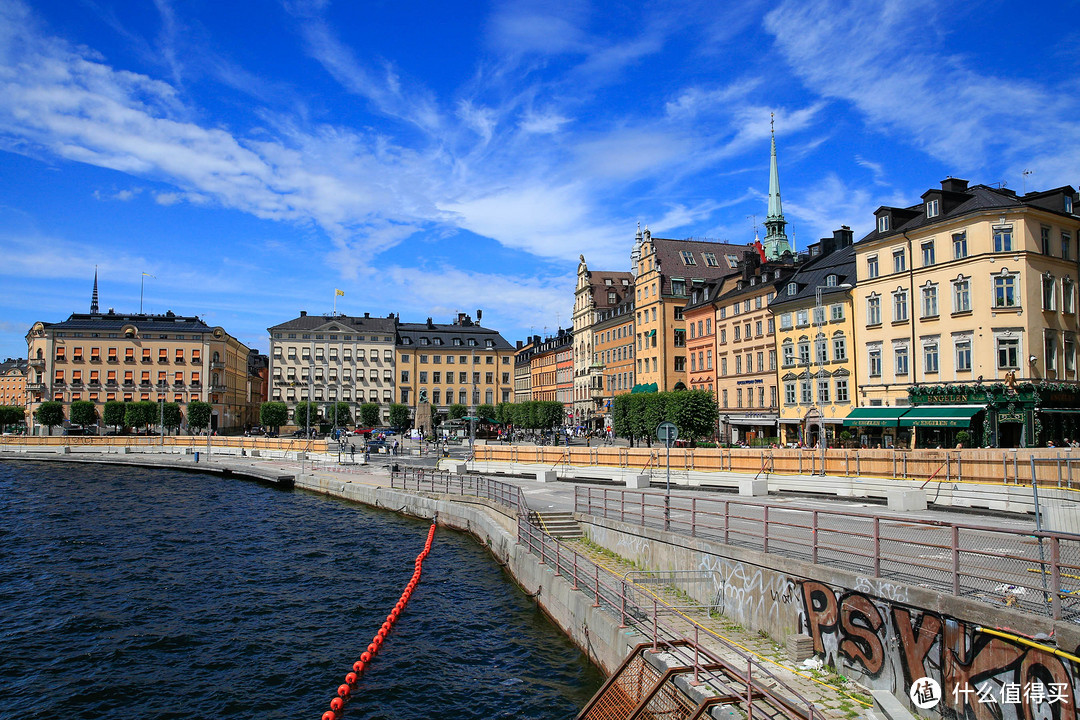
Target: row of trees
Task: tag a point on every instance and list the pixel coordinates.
(141, 415)
(311, 414)
(637, 415)
(11, 415)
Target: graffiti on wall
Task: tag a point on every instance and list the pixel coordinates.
(891, 646)
(747, 592)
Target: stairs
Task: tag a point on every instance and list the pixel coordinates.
(560, 525)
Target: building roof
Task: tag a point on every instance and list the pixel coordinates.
(169, 322)
(669, 253)
(436, 335)
(13, 364)
(602, 282)
(347, 323)
(814, 273)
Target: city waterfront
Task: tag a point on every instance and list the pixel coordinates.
(184, 595)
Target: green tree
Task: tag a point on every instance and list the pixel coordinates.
(694, 413)
(141, 414)
(369, 414)
(550, 414)
(399, 416)
(455, 411)
(114, 414)
(343, 418)
(504, 413)
(50, 414)
(84, 412)
(11, 415)
(273, 414)
(173, 417)
(198, 414)
(305, 415)
(485, 412)
(621, 417)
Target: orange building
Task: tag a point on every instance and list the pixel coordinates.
(613, 356)
(552, 367)
(13, 382)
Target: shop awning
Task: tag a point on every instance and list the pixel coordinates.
(940, 415)
(645, 388)
(875, 416)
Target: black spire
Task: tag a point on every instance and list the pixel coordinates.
(93, 299)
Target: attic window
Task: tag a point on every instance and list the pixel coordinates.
(830, 281)
(489, 343)
(607, 281)
(793, 289)
(883, 223)
(424, 341)
(688, 258)
(1068, 205)
(437, 341)
(472, 342)
(732, 261)
(933, 208)
(710, 259)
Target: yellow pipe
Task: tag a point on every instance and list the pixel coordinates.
(1030, 643)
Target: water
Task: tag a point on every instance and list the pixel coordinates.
(159, 594)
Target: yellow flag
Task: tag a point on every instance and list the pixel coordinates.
(339, 292)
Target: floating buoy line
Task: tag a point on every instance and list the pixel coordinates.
(344, 691)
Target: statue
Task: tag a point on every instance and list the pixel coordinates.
(423, 415)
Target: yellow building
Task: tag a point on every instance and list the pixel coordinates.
(13, 382)
(462, 363)
(667, 271)
(132, 357)
(970, 286)
(815, 342)
(596, 295)
(613, 356)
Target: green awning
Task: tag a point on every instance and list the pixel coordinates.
(875, 417)
(941, 415)
(645, 388)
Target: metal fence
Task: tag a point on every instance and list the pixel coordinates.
(446, 483)
(1036, 571)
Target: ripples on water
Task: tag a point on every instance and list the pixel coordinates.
(128, 592)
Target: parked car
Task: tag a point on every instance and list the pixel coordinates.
(376, 444)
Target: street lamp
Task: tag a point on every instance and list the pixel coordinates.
(819, 312)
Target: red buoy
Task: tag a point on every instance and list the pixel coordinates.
(372, 648)
(358, 667)
(391, 618)
(329, 715)
(336, 704)
(380, 636)
(365, 657)
(343, 690)
(378, 639)
(351, 678)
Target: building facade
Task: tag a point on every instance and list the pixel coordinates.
(815, 343)
(450, 364)
(13, 373)
(523, 354)
(103, 357)
(595, 293)
(972, 285)
(613, 356)
(328, 359)
(552, 367)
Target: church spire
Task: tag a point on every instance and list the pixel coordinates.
(776, 242)
(93, 298)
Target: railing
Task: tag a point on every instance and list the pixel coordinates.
(445, 483)
(1036, 571)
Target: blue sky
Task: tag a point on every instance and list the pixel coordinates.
(429, 158)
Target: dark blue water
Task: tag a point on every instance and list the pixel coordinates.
(159, 594)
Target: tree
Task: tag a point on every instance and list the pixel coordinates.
(369, 414)
(84, 412)
(11, 415)
(306, 414)
(198, 414)
(343, 414)
(550, 414)
(694, 413)
(50, 414)
(620, 417)
(485, 412)
(504, 413)
(273, 414)
(455, 411)
(173, 417)
(399, 416)
(114, 413)
(141, 414)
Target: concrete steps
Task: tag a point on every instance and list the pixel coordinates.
(561, 525)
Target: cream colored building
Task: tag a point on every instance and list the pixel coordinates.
(970, 285)
(597, 293)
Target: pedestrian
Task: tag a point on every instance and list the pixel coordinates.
(395, 447)
(352, 452)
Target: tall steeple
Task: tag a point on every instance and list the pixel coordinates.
(776, 241)
(93, 298)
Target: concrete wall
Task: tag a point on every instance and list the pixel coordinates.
(881, 633)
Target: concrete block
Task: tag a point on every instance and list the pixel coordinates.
(888, 705)
(255, 452)
(906, 500)
(301, 455)
(799, 647)
(753, 487)
(64, 450)
(546, 476)
(636, 481)
(125, 450)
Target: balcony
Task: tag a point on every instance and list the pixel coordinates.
(113, 360)
(217, 366)
(130, 360)
(95, 359)
(37, 362)
(217, 387)
(77, 358)
(35, 386)
(163, 360)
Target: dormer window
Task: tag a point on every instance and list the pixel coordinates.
(933, 208)
(793, 289)
(688, 258)
(732, 261)
(1068, 205)
(883, 223)
(830, 281)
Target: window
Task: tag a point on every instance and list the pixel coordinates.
(959, 245)
(678, 287)
(708, 326)
(792, 289)
(899, 261)
(1068, 205)
(788, 350)
(839, 348)
(802, 318)
(929, 301)
(837, 312)
(928, 252)
(1068, 295)
(819, 316)
(1049, 292)
(723, 366)
(930, 357)
(738, 364)
(789, 393)
(883, 223)
(823, 391)
(841, 390)
(723, 335)
(830, 280)
(757, 328)
(1003, 238)
(900, 359)
(1066, 246)
(1069, 353)
(961, 294)
(710, 259)
(873, 310)
(962, 345)
(933, 208)
(872, 267)
(804, 351)
(688, 258)
(1005, 290)
(821, 350)
(804, 392)
(1008, 353)
(900, 306)
(1044, 239)
(1050, 350)
(785, 321)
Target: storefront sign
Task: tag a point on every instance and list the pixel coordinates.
(1011, 417)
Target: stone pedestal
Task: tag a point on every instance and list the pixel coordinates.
(636, 481)
(906, 500)
(753, 487)
(546, 476)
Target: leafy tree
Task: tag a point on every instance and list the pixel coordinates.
(620, 417)
(504, 413)
(11, 415)
(50, 414)
(343, 414)
(198, 414)
(485, 412)
(114, 414)
(141, 414)
(306, 414)
(273, 414)
(369, 414)
(84, 412)
(694, 413)
(399, 416)
(455, 411)
(173, 417)
(550, 414)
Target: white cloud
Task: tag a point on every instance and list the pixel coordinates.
(542, 124)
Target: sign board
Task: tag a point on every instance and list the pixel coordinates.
(667, 432)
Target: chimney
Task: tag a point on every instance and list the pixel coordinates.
(479, 314)
(430, 324)
(367, 315)
(303, 313)
(843, 238)
(954, 185)
(827, 245)
(520, 344)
